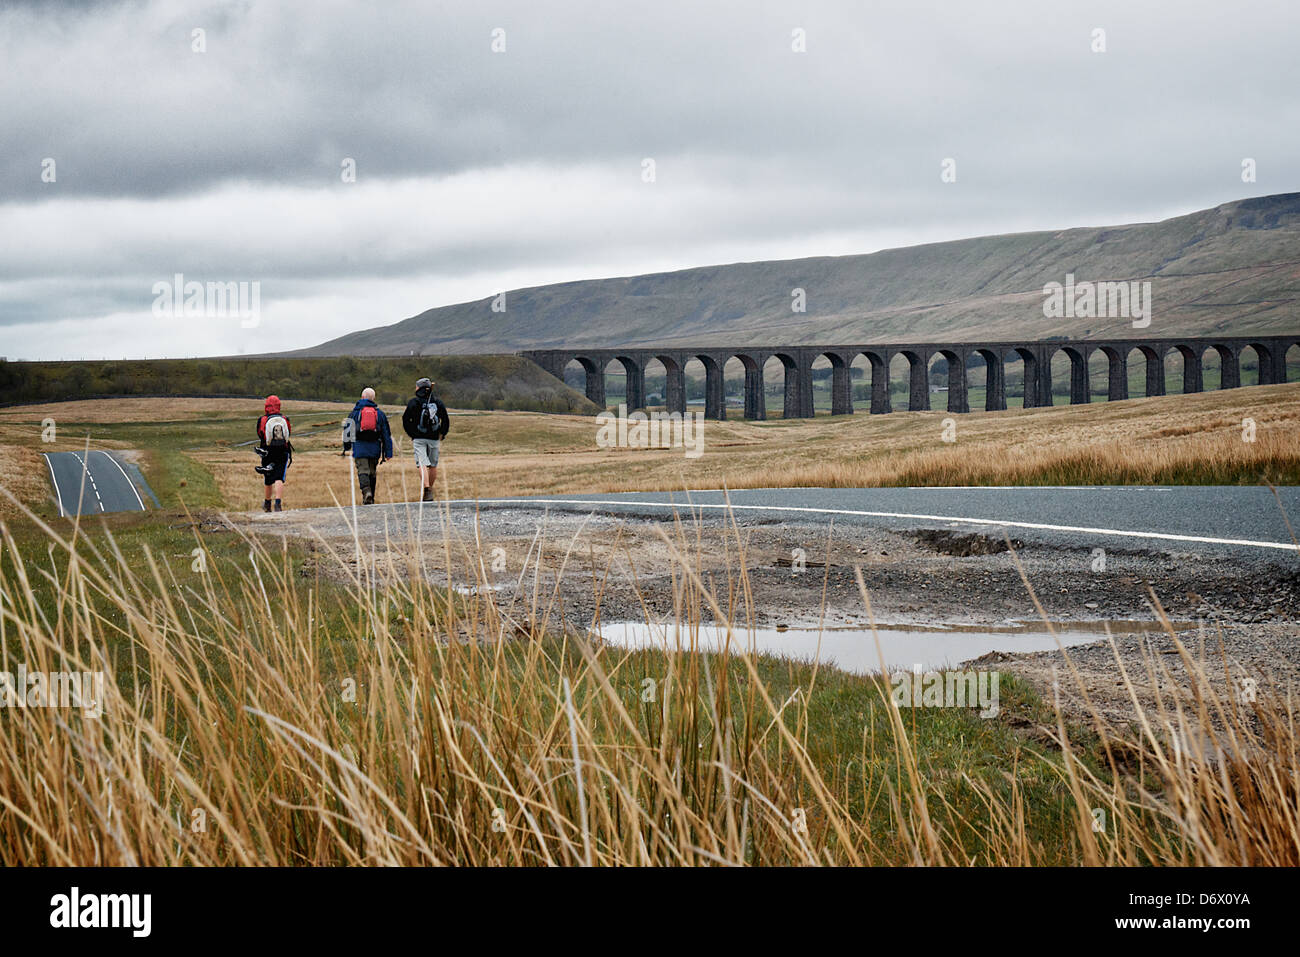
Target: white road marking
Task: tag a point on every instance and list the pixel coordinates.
(963, 488)
(1027, 488)
(1001, 523)
(129, 483)
(93, 487)
(57, 494)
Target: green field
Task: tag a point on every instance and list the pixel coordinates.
(501, 382)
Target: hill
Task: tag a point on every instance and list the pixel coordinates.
(464, 382)
(1236, 266)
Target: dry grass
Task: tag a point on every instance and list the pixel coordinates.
(1212, 459)
(1174, 439)
(227, 706)
(24, 473)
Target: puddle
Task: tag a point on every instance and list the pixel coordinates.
(476, 589)
(854, 649)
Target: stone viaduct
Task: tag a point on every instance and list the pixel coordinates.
(1037, 356)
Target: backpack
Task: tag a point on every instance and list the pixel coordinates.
(368, 424)
(429, 420)
(276, 430)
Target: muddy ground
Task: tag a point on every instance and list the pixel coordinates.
(1242, 615)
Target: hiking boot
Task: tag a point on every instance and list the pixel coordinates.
(368, 498)
(266, 506)
(428, 495)
(278, 508)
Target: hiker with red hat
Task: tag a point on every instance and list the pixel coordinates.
(276, 450)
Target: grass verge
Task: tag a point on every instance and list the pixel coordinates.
(255, 713)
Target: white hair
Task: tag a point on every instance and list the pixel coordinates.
(368, 393)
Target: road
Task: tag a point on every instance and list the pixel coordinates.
(107, 488)
(1240, 520)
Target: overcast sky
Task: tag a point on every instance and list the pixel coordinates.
(479, 170)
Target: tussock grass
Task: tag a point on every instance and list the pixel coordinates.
(23, 470)
(482, 733)
(1218, 459)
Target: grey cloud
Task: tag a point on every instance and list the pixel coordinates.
(285, 91)
(757, 147)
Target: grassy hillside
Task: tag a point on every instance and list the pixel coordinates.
(1236, 267)
(464, 382)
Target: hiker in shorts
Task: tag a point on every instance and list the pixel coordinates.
(372, 442)
(275, 449)
(426, 422)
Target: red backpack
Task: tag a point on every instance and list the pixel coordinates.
(368, 424)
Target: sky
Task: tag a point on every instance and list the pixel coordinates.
(357, 163)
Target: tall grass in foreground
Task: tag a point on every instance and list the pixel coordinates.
(480, 733)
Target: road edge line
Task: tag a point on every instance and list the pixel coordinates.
(125, 476)
(57, 494)
(1007, 523)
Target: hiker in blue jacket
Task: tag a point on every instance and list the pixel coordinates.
(366, 427)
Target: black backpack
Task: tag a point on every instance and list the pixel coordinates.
(429, 419)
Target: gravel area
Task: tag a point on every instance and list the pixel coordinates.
(1244, 617)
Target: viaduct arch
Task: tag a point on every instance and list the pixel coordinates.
(1035, 356)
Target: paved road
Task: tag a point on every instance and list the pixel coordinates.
(1237, 520)
(107, 488)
